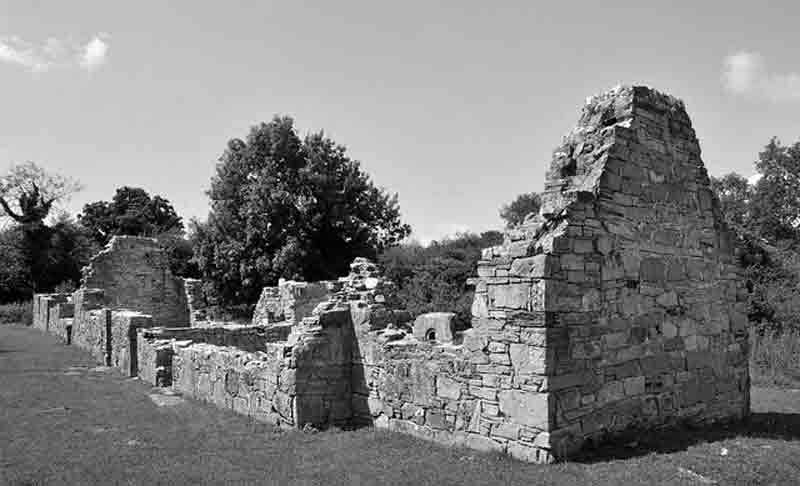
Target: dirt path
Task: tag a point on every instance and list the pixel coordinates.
(65, 421)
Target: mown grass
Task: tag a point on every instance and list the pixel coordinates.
(62, 421)
(17, 313)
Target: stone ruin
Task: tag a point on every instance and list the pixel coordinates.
(617, 309)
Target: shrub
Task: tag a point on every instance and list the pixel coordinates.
(434, 278)
(775, 357)
(17, 313)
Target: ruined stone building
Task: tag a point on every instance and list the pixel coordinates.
(617, 308)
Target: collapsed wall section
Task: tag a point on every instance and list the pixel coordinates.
(291, 301)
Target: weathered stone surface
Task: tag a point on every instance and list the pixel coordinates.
(134, 274)
(434, 326)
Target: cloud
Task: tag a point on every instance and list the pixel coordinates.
(14, 50)
(54, 53)
(746, 74)
(94, 54)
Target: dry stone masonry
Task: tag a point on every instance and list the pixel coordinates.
(617, 309)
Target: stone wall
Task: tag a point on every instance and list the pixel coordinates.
(291, 301)
(303, 381)
(124, 326)
(154, 358)
(134, 274)
(620, 306)
(42, 307)
(61, 319)
(156, 345)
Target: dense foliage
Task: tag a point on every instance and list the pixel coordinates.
(282, 207)
(27, 195)
(132, 211)
(67, 249)
(434, 278)
(765, 217)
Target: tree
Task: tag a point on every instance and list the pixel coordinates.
(735, 194)
(291, 208)
(130, 212)
(68, 250)
(775, 206)
(514, 213)
(27, 195)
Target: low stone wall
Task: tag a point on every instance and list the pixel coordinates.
(454, 395)
(258, 385)
(42, 306)
(91, 331)
(303, 381)
(124, 326)
(155, 344)
(154, 358)
(61, 319)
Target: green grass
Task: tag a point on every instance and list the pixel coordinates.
(17, 313)
(63, 423)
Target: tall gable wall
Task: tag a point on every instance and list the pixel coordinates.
(134, 274)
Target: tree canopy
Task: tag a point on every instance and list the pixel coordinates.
(28, 193)
(514, 213)
(434, 278)
(282, 207)
(766, 219)
(130, 212)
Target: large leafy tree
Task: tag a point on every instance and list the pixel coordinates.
(515, 212)
(766, 218)
(291, 208)
(130, 212)
(28, 193)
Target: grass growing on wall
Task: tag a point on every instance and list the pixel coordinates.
(17, 313)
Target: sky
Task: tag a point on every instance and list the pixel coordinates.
(455, 106)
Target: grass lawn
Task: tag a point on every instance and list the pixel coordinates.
(63, 422)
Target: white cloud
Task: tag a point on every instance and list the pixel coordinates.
(14, 50)
(53, 53)
(745, 73)
(94, 53)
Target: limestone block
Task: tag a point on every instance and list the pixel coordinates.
(525, 408)
(434, 326)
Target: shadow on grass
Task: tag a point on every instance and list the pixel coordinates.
(770, 425)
